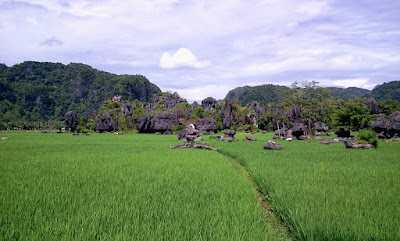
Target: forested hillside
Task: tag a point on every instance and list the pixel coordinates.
(274, 93)
(387, 91)
(348, 93)
(42, 91)
(263, 94)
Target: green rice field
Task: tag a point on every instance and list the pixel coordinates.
(133, 187)
(327, 192)
(125, 187)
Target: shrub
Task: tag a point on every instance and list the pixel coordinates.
(207, 114)
(198, 112)
(177, 128)
(368, 136)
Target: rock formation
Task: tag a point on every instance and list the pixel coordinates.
(355, 145)
(71, 121)
(190, 135)
(208, 103)
(342, 133)
(104, 123)
(163, 123)
(227, 120)
(206, 126)
(272, 145)
(249, 138)
(387, 127)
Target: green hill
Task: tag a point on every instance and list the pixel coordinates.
(42, 91)
(263, 94)
(386, 91)
(348, 93)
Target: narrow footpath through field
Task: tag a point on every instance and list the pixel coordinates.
(267, 208)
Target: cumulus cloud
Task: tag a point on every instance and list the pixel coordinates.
(181, 59)
(359, 82)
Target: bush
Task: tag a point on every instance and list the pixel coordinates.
(368, 136)
(177, 128)
(198, 112)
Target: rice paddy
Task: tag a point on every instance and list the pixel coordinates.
(119, 187)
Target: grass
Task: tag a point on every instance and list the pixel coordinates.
(59, 186)
(63, 187)
(327, 192)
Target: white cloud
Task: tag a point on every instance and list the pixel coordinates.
(345, 83)
(181, 59)
(216, 91)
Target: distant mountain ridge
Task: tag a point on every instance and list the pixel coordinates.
(263, 94)
(41, 91)
(386, 91)
(348, 93)
(270, 93)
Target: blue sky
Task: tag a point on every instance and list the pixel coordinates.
(206, 48)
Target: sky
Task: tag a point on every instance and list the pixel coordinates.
(202, 48)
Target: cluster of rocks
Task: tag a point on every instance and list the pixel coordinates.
(189, 131)
(355, 145)
(153, 121)
(387, 127)
(190, 134)
(228, 137)
(298, 130)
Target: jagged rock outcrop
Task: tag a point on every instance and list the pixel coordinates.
(387, 127)
(126, 109)
(206, 126)
(321, 127)
(271, 145)
(71, 121)
(170, 101)
(373, 106)
(143, 123)
(256, 107)
(227, 120)
(208, 103)
(298, 129)
(296, 114)
(104, 123)
(189, 130)
(188, 112)
(163, 123)
(190, 143)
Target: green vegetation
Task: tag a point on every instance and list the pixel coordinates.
(326, 192)
(33, 92)
(387, 91)
(354, 115)
(133, 186)
(348, 93)
(369, 136)
(122, 187)
(269, 93)
(263, 94)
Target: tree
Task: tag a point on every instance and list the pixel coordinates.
(353, 115)
(313, 101)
